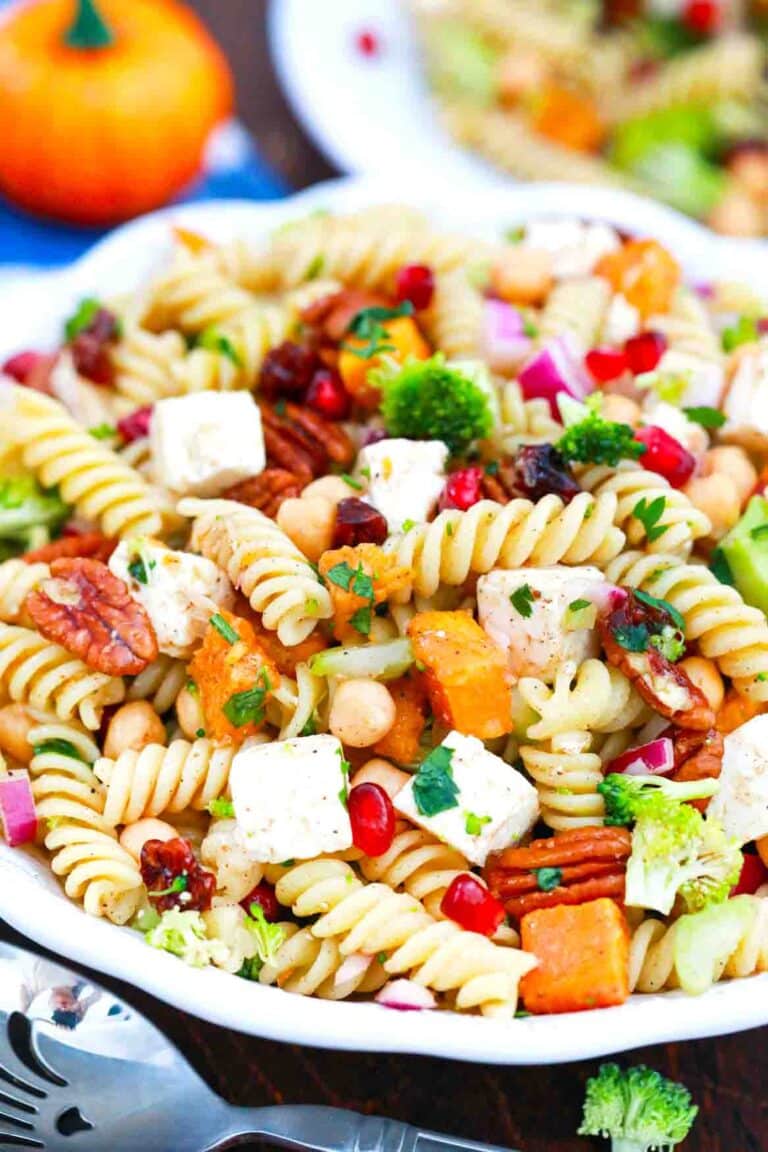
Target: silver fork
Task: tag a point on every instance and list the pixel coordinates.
(80, 1070)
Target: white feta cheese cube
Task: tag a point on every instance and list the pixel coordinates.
(576, 247)
(178, 591)
(405, 478)
(675, 422)
(290, 798)
(205, 442)
(528, 612)
(622, 320)
(689, 381)
(746, 402)
(494, 807)
(741, 805)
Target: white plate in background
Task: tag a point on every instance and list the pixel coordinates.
(31, 899)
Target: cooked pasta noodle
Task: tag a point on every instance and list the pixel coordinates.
(160, 683)
(416, 863)
(566, 774)
(144, 364)
(236, 872)
(297, 702)
(576, 306)
(594, 698)
(455, 320)
(17, 580)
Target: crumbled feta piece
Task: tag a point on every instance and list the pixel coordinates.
(405, 478)
(495, 805)
(622, 320)
(178, 591)
(675, 422)
(290, 798)
(741, 805)
(528, 613)
(205, 442)
(576, 247)
(686, 380)
(746, 402)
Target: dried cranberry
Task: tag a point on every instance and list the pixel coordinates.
(416, 283)
(471, 905)
(665, 455)
(762, 325)
(606, 364)
(463, 489)
(135, 426)
(703, 17)
(90, 348)
(643, 352)
(328, 396)
(287, 370)
(367, 43)
(358, 523)
(173, 877)
(21, 366)
(753, 875)
(539, 470)
(372, 818)
(263, 895)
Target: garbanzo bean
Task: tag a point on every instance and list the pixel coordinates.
(362, 712)
(133, 726)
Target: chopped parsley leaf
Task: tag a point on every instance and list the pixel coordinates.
(224, 628)
(351, 579)
(103, 431)
(192, 688)
(368, 326)
(221, 808)
(522, 600)
(548, 879)
(633, 637)
(676, 617)
(579, 605)
(248, 707)
(649, 516)
(434, 788)
(179, 884)
(82, 318)
(310, 728)
(705, 416)
(214, 341)
(361, 621)
(350, 480)
(200, 733)
(408, 524)
(761, 677)
(473, 824)
(138, 569)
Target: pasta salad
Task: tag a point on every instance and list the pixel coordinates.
(382, 614)
(662, 96)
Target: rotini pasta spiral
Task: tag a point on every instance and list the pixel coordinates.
(566, 774)
(594, 698)
(160, 683)
(536, 24)
(681, 521)
(419, 864)
(263, 563)
(144, 362)
(688, 328)
(157, 779)
(90, 476)
(223, 853)
(17, 580)
(36, 672)
(293, 705)
(576, 306)
(371, 918)
(491, 535)
(523, 421)
(454, 322)
(194, 293)
(308, 966)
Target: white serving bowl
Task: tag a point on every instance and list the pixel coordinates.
(31, 900)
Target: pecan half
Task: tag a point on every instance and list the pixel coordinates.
(87, 545)
(267, 491)
(91, 613)
(698, 756)
(627, 633)
(302, 442)
(581, 864)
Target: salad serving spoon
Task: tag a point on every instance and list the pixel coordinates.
(80, 1069)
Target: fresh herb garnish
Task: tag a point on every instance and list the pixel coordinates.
(214, 341)
(705, 416)
(103, 431)
(191, 687)
(83, 317)
(649, 515)
(368, 325)
(179, 884)
(579, 605)
(656, 602)
(224, 628)
(633, 637)
(351, 579)
(522, 600)
(310, 728)
(670, 642)
(434, 788)
(361, 620)
(744, 331)
(350, 480)
(719, 567)
(57, 747)
(248, 707)
(316, 267)
(139, 570)
(548, 879)
(407, 525)
(473, 824)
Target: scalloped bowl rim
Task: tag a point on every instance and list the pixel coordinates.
(30, 898)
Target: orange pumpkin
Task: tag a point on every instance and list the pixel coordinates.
(106, 105)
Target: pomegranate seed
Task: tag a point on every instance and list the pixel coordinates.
(287, 370)
(606, 364)
(415, 282)
(135, 426)
(704, 17)
(22, 365)
(463, 488)
(263, 895)
(753, 875)
(643, 352)
(173, 877)
(372, 818)
(358, 523)
(539, 470)
(328, 396)
(665, 455)
(472, 906)
(367, 43)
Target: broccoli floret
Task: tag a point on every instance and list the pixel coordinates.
(628, 797)
(591, 439)
(29, 514)
(268, 938)
(716, 870)
(638, 1110)
(432, 400)
(184, 935)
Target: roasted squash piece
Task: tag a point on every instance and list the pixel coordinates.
(359, 579)
(401, 743)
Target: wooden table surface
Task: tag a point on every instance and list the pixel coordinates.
(530, 1109)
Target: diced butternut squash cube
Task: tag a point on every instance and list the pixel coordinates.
(402, 340)
(401, 743)
(583, 957)
(644, 272)
(465, 673)
(358, 580)
(569, 119)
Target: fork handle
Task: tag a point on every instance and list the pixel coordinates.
(321, 1129)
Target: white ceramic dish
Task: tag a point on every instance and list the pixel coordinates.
(30, 898)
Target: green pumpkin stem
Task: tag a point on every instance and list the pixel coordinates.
(89, 29)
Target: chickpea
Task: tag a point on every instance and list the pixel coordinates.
(762, 848)
(331, 488)
(189, 713)
(134, 836)
(15, 723)
(362, 712)
(133, 726)
(309, 521)
(733, 462)
(737, 214)
(381, 772)
(620, 409)
(704, 674)
(718, 498)
(523, 275)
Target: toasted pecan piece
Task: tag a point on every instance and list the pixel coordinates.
(698, 756)
(267, 491)
(87, 545)
(90, 612)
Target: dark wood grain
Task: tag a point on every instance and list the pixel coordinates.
(531, 1109)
